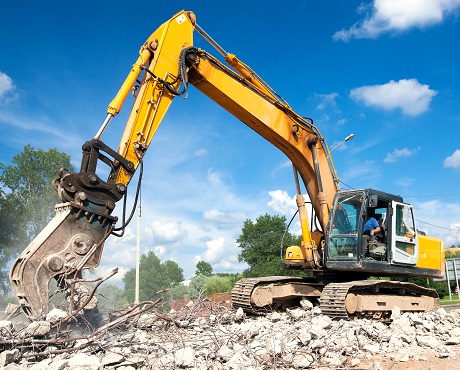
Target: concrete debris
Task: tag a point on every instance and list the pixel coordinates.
(147, 320)
(81, 296)
(6, 329)
(239, 315)
(184, 357)
(111, 359)
(56, 315)
(7, 357)
(300, 338)
(11, 309)
(84, 361)
(37, 329)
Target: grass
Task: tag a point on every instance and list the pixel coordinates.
(446, 301)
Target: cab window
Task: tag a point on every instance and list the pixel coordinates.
(405, 227)
(343, 239)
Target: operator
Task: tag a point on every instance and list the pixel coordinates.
(372, 227)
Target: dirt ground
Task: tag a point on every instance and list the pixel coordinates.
(432, 363)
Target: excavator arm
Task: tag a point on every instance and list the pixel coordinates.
(167, 64)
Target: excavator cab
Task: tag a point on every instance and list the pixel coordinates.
(346, 239)
(398, 248)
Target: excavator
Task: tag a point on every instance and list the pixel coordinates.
(339, 258)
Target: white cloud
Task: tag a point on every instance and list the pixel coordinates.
(225, 265)
(281, 167)
(361, 174)
(200, 153)
(6, 85)
(400, 153)
(33, 127)
(282, 203)
(119, 253)
(439, 219)
(453, 160)
(455, 226)
(215, 249)
(326, 100)
(405, 182)
(410, 96)
(222, 219)
(397, 16)
(223, 256)
(169, 231)
(128, 236)
(160, 251)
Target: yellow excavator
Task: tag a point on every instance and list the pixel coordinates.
(340, 258)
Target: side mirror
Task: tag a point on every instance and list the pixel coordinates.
(372, 201)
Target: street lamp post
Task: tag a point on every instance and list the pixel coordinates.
(349, 137)
(138, 253)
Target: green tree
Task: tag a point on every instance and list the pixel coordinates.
(441, 287)
(111, 297)
(197, 287)
(10, 238)
(219, 284)
(452, 253)
(178, 292)
(203, 268)
(27, 200)
(260, 244)
(153, 277)
(174, 272)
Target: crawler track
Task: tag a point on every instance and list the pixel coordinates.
(334, 295)
(242, 291)
(376, 297)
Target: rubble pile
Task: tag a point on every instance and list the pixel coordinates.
(300, 338)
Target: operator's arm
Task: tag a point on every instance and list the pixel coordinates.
(375, 231)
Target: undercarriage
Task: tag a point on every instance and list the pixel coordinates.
(343, 300)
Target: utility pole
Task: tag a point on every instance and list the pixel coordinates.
(138, 250)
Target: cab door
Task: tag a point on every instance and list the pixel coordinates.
(404, 241)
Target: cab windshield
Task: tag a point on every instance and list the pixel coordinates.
(343, 236)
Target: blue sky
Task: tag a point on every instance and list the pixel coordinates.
(385, 70)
